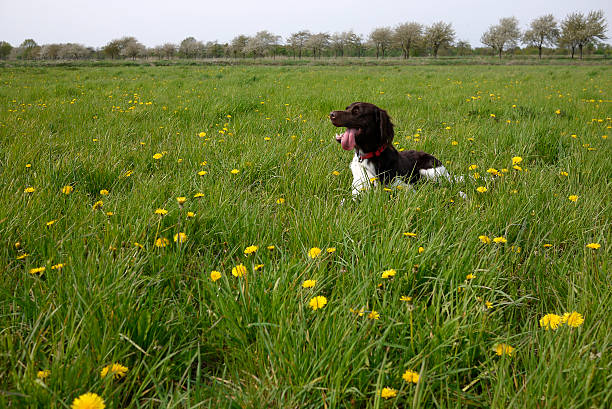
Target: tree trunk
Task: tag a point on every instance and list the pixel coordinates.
(573, 49)
(540, 51)
(580, 46)
(500, 53)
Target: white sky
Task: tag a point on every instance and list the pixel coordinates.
(154, 22)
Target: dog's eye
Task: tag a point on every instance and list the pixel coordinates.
(355, 109)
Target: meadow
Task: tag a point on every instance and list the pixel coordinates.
(165, 233)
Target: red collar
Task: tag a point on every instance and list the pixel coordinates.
(369, 155)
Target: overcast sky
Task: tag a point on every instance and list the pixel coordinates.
(154, 22)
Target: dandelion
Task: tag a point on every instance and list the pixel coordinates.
(22, 256)
(98, 205)
(202, 173)
(388, 393)
(335, 173)
(558, 112)
(37, 270)
(317, 302)
(411, 376)
(573, 319)
(190, 215)
(50, 223)
(563, 173)
(309, 283)
(421, 249)
(250, 250)
(116, 370)
(500, 240)
(88, 401)
(239, 271)
(573, 198)
(157, 156)
(271, 247)
(314, 252)
(470, 276)
(67, 189)
(409, 234)
(405, 298)
(162, 242)
(492, 171)
(215, 275)
(58, 266)
(202, 134)
(198, 195)
(331, 250)
(388, 273)
(44, 374)
(472, 167)
(550, 321)
(161, 212)
(104, 192)
(488, 304)
(234, 171)
(593, 246)
(503, 349)
(258, 267)
(180, 237)
(374, 315)
(516, 160)
(280, 200)
(138, 245)
(481, 189)
(29, 189)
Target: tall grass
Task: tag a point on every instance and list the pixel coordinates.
(253, 341)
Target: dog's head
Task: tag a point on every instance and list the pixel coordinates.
(367, 127)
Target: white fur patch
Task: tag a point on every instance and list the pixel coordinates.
(364, 174)
(435, 173)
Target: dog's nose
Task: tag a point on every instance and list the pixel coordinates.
(332, 115)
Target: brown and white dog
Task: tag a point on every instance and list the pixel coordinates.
(369, 132)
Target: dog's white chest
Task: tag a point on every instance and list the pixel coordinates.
(364, 174)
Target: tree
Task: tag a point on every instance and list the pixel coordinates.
(542, 31)
(463, 47)
(438, 35)
(297, 41)
(29, 49)
(338, 41)
(263, 43)
(381, 38)
(132, 48)
(318, 42)
(112, 49)
(355, 41)
(503, 36)
(579, 30)
(238, 45)
(407, 35)
(5, 49)
(191, 48)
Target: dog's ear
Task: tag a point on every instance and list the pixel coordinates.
(386, 127)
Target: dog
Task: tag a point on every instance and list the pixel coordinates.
(369, 132)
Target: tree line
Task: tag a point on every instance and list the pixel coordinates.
(577, 31)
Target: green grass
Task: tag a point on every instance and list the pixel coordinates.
(254, 341)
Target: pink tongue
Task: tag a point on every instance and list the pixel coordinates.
(348, 139)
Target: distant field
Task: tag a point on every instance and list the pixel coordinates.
(92, 160)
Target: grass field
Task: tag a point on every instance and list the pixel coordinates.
(89, 155)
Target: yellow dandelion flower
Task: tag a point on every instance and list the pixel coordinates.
(516, 160)
(180, 237)
(411, 376)
(181, 200)
(335, 173)
(104, 192)
(388, 393)
(317, 302)
(250, 250)
(58, 266)
(161, 212)
(190, 214)
(44, 374)
(29, 189)
(198, 195)
(271, 248)
(573, 198)
(22, 256)
(202, 173)
(488, 304)
(314, 252)
(234, 171)
(374, 315)
(573, 319)
(280, 200)
(239, 271)
(388, 273)
(593, 246)
(500, 240)
(51, 223)
(563, 173)
(409, 234)
(481, 189)
(550, 321)
(157, 156)
(215, 275)
(405, 298)
(67, 189)
(138, 245)
(331, 249)
(503, 349)
(558, 112)
(470, 276)
(162, 242)
(37, 270)
(493, 171)
(421, 249)
(202, 134)
(88, 400)
(484, 239)
(116, 370)
(98, 205)
(309, 283)
(472, 167)
(258, 267)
